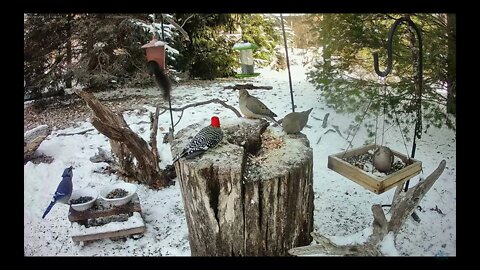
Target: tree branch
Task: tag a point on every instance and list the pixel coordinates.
(75, 133)
(215, 100)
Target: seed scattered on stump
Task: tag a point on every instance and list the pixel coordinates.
(117, 193)
(82, 199)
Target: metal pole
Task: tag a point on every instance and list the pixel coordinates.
(288, 63)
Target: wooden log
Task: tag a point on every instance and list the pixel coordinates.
(245, 198)
(404, 204)
(402, 207)
(32, 140)
(126, 145)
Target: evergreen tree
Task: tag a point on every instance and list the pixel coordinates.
(345, 72)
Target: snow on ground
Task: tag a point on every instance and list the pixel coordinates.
(342, 207)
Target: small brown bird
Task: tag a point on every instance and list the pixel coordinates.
(383, 159)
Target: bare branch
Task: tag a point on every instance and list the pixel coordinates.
(75, 133)
(215, 100)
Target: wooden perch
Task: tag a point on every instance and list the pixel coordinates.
(402, 208)
(75, 133)
(127, 145)
(32, 140)
(247, 86)
(244, 199)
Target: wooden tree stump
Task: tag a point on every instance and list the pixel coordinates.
(252, 195)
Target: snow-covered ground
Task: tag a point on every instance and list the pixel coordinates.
(342, 207)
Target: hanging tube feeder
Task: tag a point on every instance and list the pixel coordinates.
(379, 184)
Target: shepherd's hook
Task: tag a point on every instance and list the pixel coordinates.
(418, 123)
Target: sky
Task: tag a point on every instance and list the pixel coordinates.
(342, 208)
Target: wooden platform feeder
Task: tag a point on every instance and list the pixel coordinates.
(367, 180)
(132, 224)
(155, 51)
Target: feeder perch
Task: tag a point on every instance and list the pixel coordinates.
(246, 58)
(155, 51)
(367, 180)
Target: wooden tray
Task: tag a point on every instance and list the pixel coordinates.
(369, 181)
(133, 225)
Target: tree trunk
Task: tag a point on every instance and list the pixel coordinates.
(452, 64)
(68, 80)
(127, 145)
(250, 196)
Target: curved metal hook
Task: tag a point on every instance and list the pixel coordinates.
(389, 49)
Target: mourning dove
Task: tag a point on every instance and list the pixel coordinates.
(294, 122)
(251, 107)
(383, 159)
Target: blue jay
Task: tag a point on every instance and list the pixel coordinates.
(64, 190)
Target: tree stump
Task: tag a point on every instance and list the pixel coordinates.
(252, 195)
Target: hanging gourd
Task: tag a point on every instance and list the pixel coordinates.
(377, 167)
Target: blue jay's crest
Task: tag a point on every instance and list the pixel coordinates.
(64, 190)
(67, 172)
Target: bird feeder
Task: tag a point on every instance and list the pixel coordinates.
(155, 51)
(413, 167)
(376, 184)
(246, 58)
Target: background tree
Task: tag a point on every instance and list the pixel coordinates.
(102, 51)
(345, 73)
(264, 30)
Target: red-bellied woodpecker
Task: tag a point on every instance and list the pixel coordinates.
(207, 138)
(294, 122)
(251, 107)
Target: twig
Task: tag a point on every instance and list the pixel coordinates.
(325, 118)
(184, 22)
(76, 133)
(178, 27)
(179, 118)
(318, 141)
(215, 100)
(338, 130)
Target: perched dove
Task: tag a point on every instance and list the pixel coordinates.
(251, 107)
(383, 159)
(294, 122)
